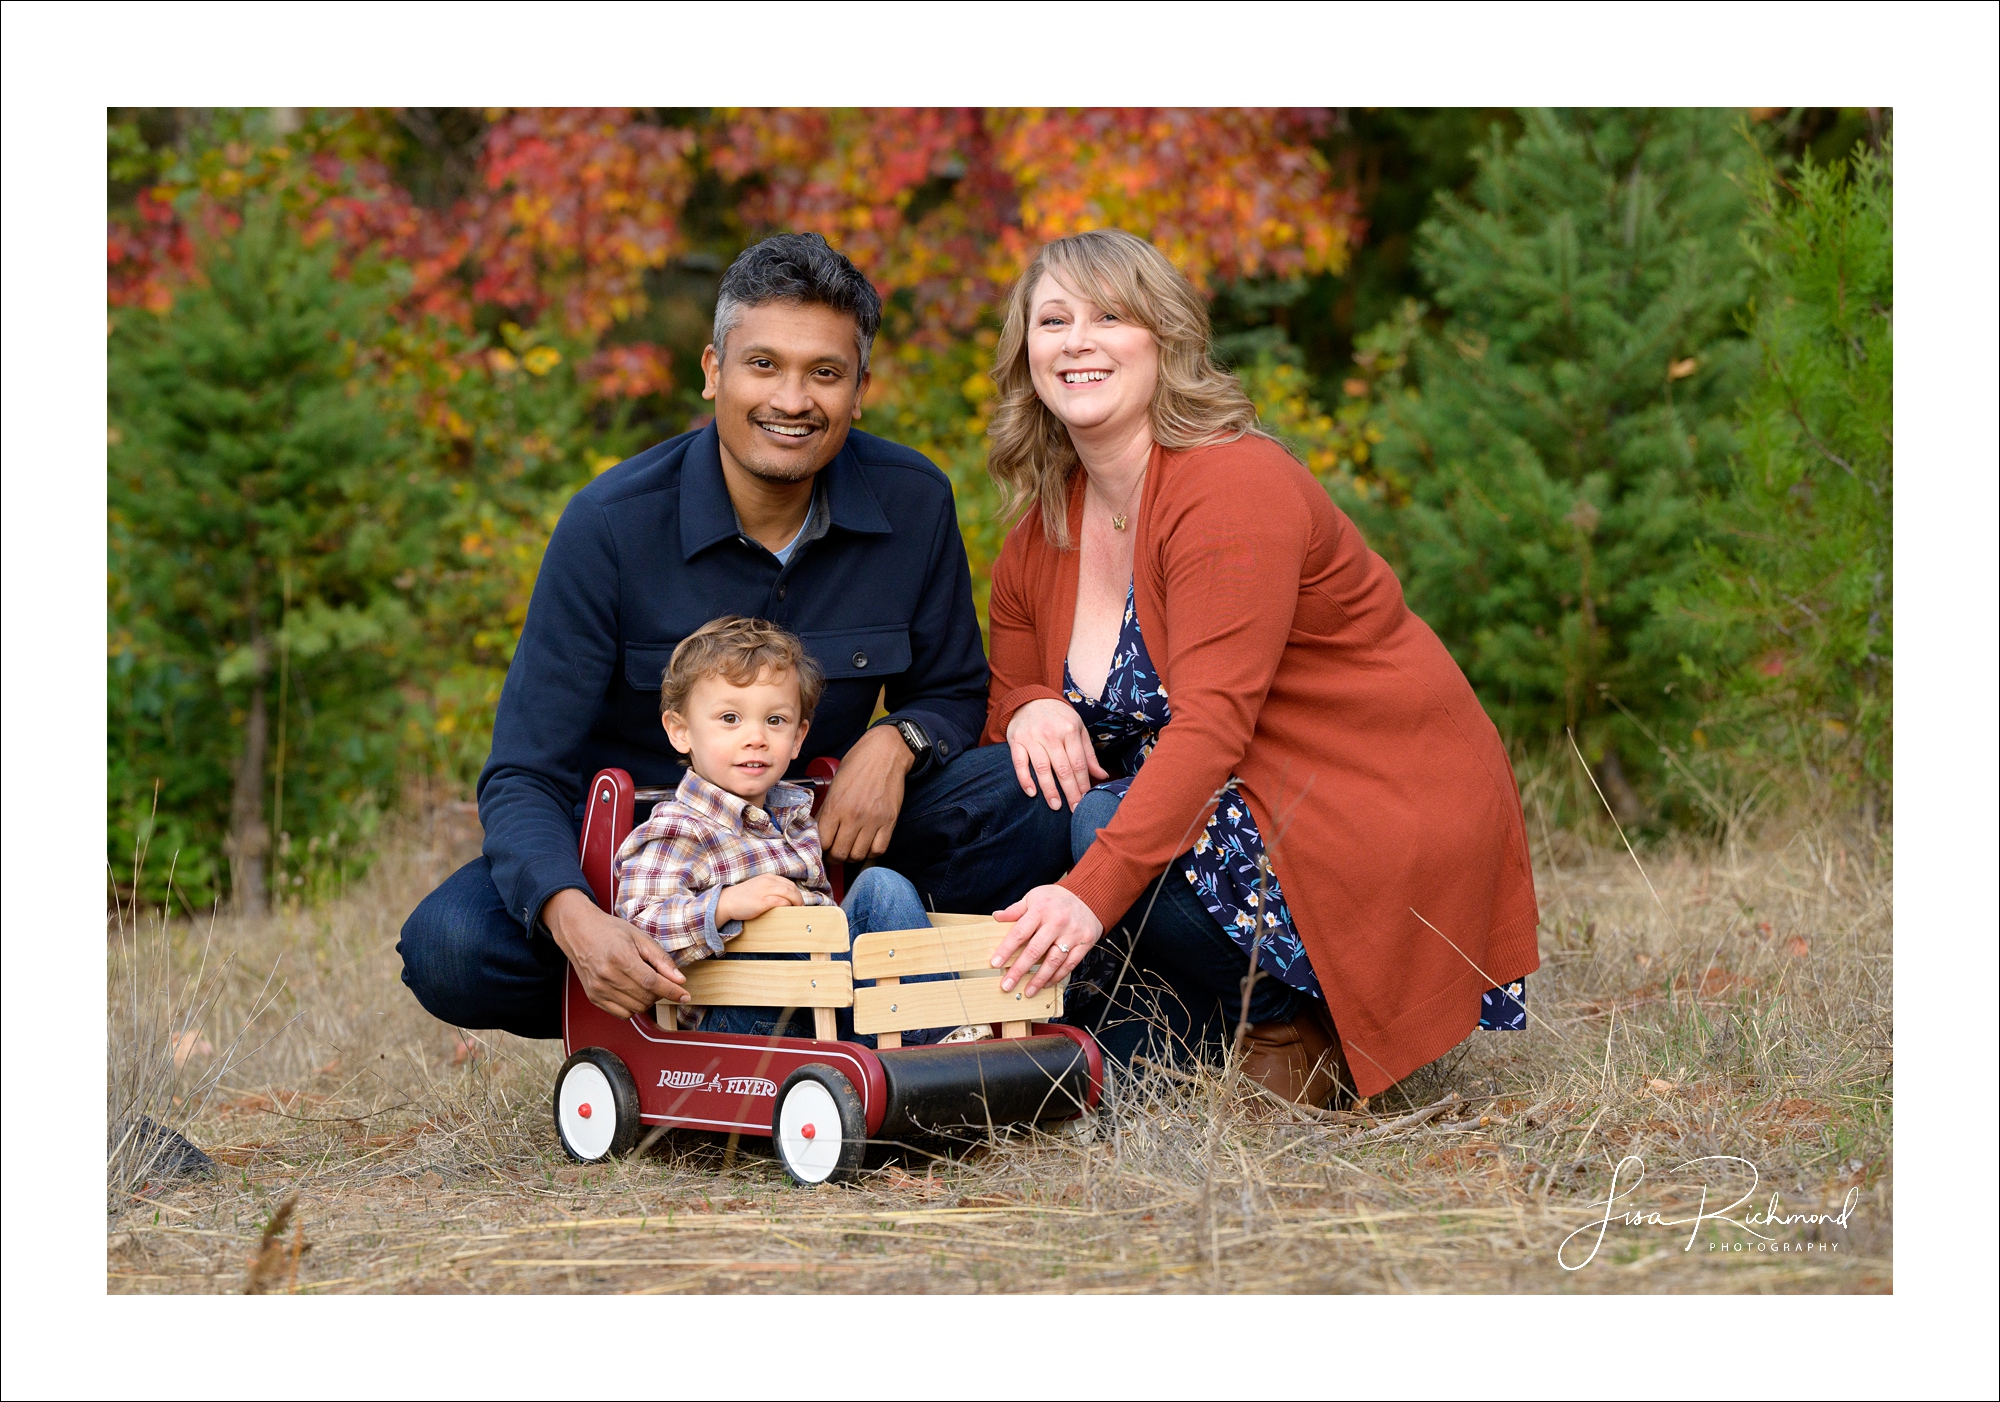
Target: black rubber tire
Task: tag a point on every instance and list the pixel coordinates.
(853, 1123)
(625, 1097)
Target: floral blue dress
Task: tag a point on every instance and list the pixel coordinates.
(1227, 866)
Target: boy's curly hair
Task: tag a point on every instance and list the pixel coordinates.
(740, 650)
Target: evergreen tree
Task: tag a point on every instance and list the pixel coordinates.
(261, 521)
(1568, 415)
(1800, 579)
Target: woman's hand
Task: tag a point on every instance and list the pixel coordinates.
(1049, 743)
(758, 896)
(1053, 928)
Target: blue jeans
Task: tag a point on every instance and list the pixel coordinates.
(877, 899)
(968, 839)
(1166, 981)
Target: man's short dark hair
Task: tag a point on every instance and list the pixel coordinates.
(803, 269)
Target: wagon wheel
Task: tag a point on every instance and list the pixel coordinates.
(818, 1126)
(597, 1107)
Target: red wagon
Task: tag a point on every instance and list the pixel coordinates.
(822, 1101)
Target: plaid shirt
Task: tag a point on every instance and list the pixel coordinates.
(674, 866)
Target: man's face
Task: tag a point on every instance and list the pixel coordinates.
(786, 389)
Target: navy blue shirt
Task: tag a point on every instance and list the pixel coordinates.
(652, 550)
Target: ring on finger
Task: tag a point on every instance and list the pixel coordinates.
(1063, 947)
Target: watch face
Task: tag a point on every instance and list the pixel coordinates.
(913, 736)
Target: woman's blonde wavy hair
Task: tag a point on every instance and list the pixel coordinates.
(1196, 403)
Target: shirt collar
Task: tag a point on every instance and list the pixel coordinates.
(726, 809)
(707, 515)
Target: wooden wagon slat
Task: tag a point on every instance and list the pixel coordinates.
(793, 929)
(958, 948)
(774, 983)
(905, 1007)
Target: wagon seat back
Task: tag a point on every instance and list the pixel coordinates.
(818, 932)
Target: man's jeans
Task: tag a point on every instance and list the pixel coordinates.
(968, 839)
(1166, 981)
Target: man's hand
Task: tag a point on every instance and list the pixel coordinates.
(859, 815)
(747, 900)
(623, 969)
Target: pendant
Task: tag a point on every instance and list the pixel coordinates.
(1117, 523)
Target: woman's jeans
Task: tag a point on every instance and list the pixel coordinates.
(877, 899)
(1166, 981)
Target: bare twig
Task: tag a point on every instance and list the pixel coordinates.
(1423, 1116)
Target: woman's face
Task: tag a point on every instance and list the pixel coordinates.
(1093, 368)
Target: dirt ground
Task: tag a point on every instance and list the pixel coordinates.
(1723, 1019)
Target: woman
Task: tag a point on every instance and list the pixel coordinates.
(1264, 749)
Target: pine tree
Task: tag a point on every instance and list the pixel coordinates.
(260, 520)
(1800, 579)
(1567, 417)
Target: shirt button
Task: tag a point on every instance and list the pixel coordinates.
(861, 659)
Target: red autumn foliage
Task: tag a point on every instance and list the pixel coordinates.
(629, 372)
(1226, 192)
(148, 253)
(577, 203)
(940, 206)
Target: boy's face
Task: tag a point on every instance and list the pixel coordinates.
(741, 738)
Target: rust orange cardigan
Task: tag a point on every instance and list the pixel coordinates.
(1381, 789)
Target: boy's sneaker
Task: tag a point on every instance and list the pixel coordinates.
(972, 1032)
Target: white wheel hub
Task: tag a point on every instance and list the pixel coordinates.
(809, 1132)
(589, 1111)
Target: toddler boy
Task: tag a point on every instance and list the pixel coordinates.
(735, 841)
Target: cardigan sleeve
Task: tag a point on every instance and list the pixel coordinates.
(1013, 652)
(1230, 563)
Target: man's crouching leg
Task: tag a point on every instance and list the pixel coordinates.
(472, 965)
(971, 841)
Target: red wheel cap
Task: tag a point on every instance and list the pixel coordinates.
(808, 1131)
(584, 1110)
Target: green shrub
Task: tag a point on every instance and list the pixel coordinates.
(1798, 581)
(324, 526)
(1544, 477)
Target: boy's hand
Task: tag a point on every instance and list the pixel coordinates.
(749, 899)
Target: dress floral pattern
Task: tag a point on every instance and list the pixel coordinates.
(1227, 866)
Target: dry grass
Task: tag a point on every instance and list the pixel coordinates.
(1745, 1013)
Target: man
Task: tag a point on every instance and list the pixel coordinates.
(777, 510)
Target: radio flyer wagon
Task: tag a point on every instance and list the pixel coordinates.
(822, 1101)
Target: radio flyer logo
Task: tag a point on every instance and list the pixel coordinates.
(723, 1085)
(1714, 1178)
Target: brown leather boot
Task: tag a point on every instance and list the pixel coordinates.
(1300, 1060)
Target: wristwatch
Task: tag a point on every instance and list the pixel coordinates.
(915, 736)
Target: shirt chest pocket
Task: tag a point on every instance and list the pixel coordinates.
(646, 664)
(859, 653)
